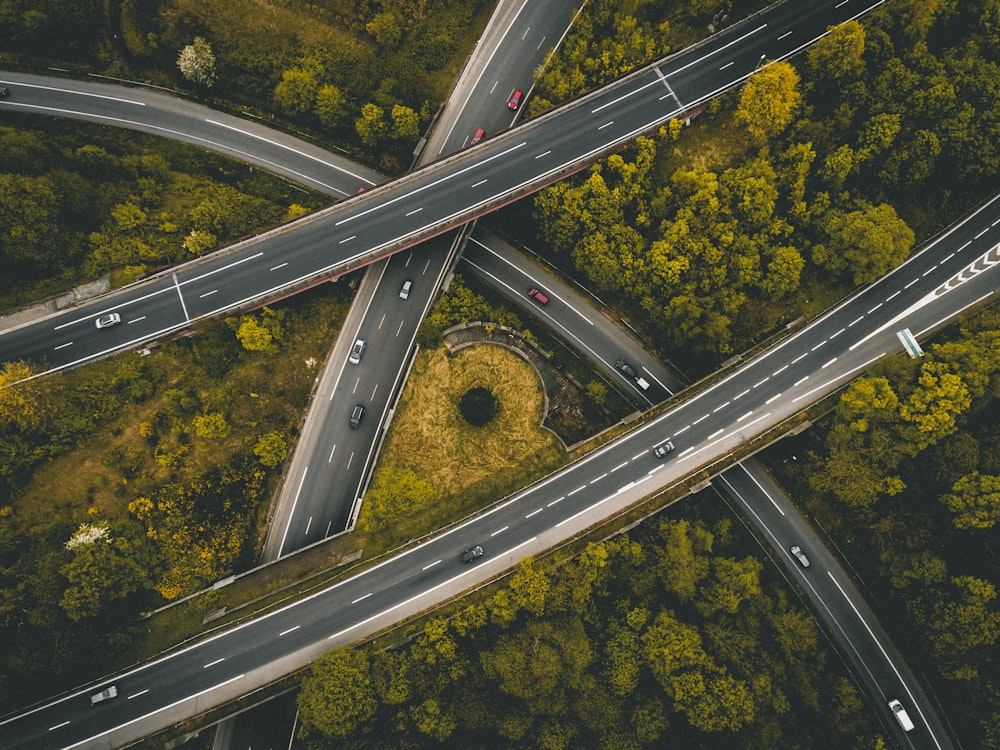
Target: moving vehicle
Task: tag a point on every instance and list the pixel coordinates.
(626, 369)
(515, 99)
(356, 414)
(106, 321)
(477, 136)
(106, 694)
(473, 553)
(901, 716)
(538, 295)
(357, 351)
(404, 291)
(667, 446)
(799, 555)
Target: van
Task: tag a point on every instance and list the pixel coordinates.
(901, 716)
(106, 694)
(356, 414)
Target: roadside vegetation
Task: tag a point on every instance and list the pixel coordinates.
(435, 465)
(365, 76)
(905, 475)
(132, 481)
(677, 634)
(815, 178)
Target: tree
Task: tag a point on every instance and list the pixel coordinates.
(371, 126)
(271, 449)
(297, 90)
(866, 243)
(975, 501)
(386, 29)
(330, 106)
(337, 694)
(769, 100)
(197, 62)
(839, 54)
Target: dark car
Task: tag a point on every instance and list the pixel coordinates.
(515, 99)
(799, 555)
(625, 368)
(356, 414)
(473, 553)
(667, 446)
(539, 296)
(106, 321)
(477, 137)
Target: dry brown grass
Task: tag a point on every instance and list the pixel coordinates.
(430, 436)
(268, 23)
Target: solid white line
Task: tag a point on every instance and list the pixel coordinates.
(427, 567)
(177, 285)
(362, 598)
(500, 531)
(290, 630)
(213, 663)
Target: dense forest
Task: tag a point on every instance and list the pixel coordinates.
(671, 635)
(817, 176)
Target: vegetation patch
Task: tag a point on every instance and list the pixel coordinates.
(435, 465)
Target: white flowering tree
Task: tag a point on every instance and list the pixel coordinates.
(197, 62)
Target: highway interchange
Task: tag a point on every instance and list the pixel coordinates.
(774, 386)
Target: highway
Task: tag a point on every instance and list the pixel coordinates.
(945, 277)
(425, 203)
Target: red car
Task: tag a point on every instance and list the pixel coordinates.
(538, 295)
(477, 137)
(515, 100)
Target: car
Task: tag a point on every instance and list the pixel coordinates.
(667, 446)
(901, 716)
(106, 694)
(477, 137)
(625, 368)
(538, 295)
(473, 553)
(4, 92)
(404, 291)
(515, 99)
(799, 555)
(356, 414)
(106, 321)
(357, 351)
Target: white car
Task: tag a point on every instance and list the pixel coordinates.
(106, 321)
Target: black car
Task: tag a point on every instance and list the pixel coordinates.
(473, 553)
